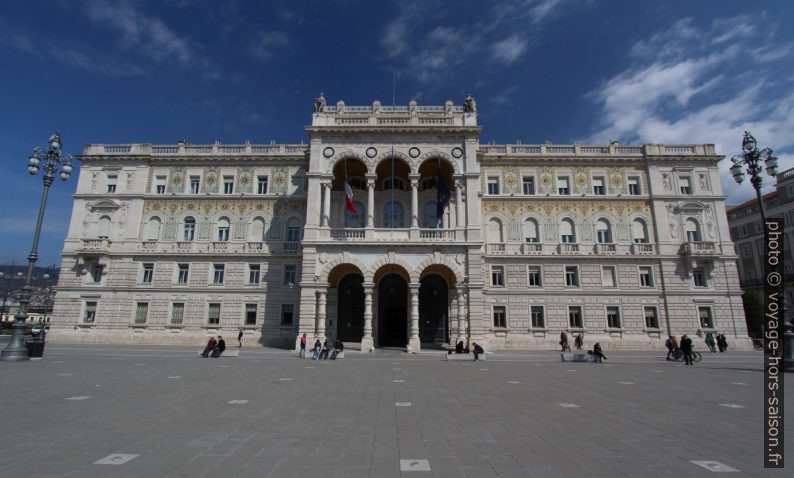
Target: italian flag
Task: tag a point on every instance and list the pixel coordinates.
(349, 199)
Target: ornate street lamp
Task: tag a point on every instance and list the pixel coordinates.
(49, 159)
(752, 158)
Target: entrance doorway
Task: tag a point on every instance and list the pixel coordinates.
(433, 310)
(350, 309)
(392, 311)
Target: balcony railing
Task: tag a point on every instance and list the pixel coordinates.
(437, 234)
(148, 245)
(639, 248)
(347, 234)
(255, 246)
(606, 248)
(96, 244)
(568, 248)
(219, 246)
(532, 248)
(291, 247)
(699, 248)
(496, 248)
(183, 246)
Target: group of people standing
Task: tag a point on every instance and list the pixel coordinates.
(322, 350)
(214, 347)
(720, 342)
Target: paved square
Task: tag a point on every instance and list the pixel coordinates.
(346, 419)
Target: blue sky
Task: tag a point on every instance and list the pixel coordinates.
(557, 70)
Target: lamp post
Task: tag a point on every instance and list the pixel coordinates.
(49, 159)
(752, 159)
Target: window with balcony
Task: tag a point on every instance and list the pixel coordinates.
(89, 315)
(287, 314)
(253, 273)
(572, 276)
(223, 229)
(685, 185)
(390, 183)
(183, 274)
(257, 229)
(537, 316)
(177, 313)
(529, 185)
(189, 229)
(646, 276)
(103, 228)
(228, 185)
(493, 185)
(567, 231)
(634, 186)
(112, 178)
(706, 319)
(575, 317)
(250, 314)
(141, 311)
(429, 218)
(651, 317)
(613, 317)
(214, 314)
(494, 233)
(497, 276)
(356, 219)
(563, 188)
(159, 185)
(261, 184)
(639, 231)
(534, 276)
(428, 183)
(699, 277)
(290, 274)
(608, 277)
(603, 232)
(499, 316)
(148, 273)
(195, 183)
(96, 273)
(293, 230)
(598, 186)
(531, 231)
(218, 273)
(393, 215)
(692, 229)
(153, 228)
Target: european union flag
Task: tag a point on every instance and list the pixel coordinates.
(442, 195)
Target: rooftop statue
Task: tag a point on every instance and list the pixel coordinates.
(319, 103)
(469, 105)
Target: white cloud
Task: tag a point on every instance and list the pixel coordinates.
(509, 49)
(540, 9)
(266, 45)
(108, 66)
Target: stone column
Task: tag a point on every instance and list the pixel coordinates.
(460, 332)
(414, 202)
(367, 342)
(326, 217)
(370, 202)
(461, 220)
(414, 343)
(321, 315)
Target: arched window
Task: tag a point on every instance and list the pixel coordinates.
(223, 229)
(429, 218)
(293, 230)
(603, 232)
(153, 229)
(103, 231)
(692, 230)
(257, 230)
(398, 184)
(567, 231)
(494, 233)
(189, 229)
(531, 231)
(357, 183)
(639, 231)
(393, 215)
(356, 220)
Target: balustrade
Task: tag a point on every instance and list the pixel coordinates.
(606, 248)
(568, 248)
(639, 248)
(699, 248)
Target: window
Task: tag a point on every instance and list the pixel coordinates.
(531, 229)
(257, 229)
(747, 250)
(261, 184)
(393, 215)
(159, 185)
(397, 183)
(250, 314)
(603, 232)
(290, 274)
(497, 276)
(356, 219)
(692, 229)
(429, 218)
(293, 230)
(357, 183)
(189, 229)
(534, 278)
(177, 313)
(90, 313)
(253, 273)
(494, 233)
(153, 229)
(567, 231)
(608, 276)
(96, 273)
(141, 310)
(184, 272)
(223, 229)
(103, 230)
(112, 183)
(613, 317)
(148, 273)
(651, 318)
(493, 186)
(639, 231)
(428, 183)
(684, 183)
(217, 277)
(575, 317)
(634, 186)
(214, 314)
(228, 185)
(699, 277)
(195, 182)
(646, 276)
(529, 185)
(706, 319)
(287, 314)
(598, 186)
(536, 314)
(572, 276)
(499, 316)
(562, 186)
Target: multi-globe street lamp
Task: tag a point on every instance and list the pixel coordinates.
(49, 159)
(754, 160)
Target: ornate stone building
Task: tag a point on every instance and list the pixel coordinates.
(624, 243)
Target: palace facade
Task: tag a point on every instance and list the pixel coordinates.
(626, 244)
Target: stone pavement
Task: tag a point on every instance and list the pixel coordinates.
(269, 414)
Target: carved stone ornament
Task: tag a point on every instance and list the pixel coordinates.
(328, 152)
(372, 152)
(414, 152)
(457, 152)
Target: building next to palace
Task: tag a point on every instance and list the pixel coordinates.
(625, 244)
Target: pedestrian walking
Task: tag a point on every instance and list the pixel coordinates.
(209, 348)
(477, 351)
(671, 345)
(599, 354)
(318, 350)
(578, 342)
(564, 342)
(686, 348)
(302, 353)
(710, 342)
(240, 338)
(719, 343)
(724, 342)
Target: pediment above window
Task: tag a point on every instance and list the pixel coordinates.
(103, 205)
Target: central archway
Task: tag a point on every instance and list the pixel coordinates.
(350, 309)
(392, 311)
(433, 310)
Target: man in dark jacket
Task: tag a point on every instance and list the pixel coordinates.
(209, 348)
(219, 348)
(477, 351)
(686, 348)
(671, 346)
(599, 354)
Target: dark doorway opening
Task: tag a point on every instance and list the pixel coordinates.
(392, 311)
(350, 310)
(433, 310)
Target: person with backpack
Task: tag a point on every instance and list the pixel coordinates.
(671, 346)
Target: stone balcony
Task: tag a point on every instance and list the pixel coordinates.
(699, 249)
(639, 249)
(606, 249)
(95, 245)
(220, 247)
(567, 248)
(370, 235)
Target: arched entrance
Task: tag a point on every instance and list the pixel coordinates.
(433, 310)
(350, 309)
(392, 311)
